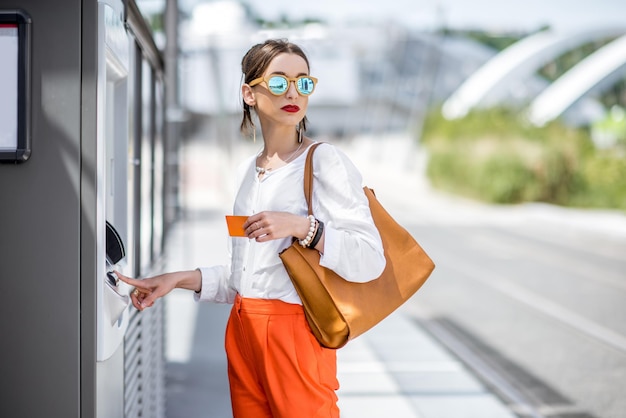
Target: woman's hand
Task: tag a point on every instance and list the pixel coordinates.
(148, 290)
(266, 226)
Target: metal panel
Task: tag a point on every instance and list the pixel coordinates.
(40, 285)
(144, 380)
(144, 348)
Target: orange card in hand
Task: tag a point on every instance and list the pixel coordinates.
(235, 225)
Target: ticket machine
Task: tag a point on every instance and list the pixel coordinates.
(112, 207)
(112, 177)
(72, 179)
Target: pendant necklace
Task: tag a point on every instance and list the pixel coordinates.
(261, 170)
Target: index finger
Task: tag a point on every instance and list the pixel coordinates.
(128, 280)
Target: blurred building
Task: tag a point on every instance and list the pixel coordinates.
(375, 77)
(510, 77)
(372, 78)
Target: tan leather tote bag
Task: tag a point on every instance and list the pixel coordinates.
(338, 310)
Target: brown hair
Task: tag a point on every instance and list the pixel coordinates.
(256, 61)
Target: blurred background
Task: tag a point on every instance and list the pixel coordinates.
(531, 93)
(494, 131)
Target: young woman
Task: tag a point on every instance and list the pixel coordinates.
(276, 367)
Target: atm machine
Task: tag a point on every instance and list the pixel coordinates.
(113, 208)
(129, 171)
(81, 168)
(112, 212)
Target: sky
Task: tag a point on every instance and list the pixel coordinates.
(427, 14)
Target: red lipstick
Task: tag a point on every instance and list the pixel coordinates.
(290, 108)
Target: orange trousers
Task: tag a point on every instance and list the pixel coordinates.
(276, 367)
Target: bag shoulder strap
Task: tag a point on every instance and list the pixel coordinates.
(308, 177)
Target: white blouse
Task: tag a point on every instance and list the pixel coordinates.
(352, 247)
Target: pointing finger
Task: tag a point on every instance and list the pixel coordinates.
(130, 281)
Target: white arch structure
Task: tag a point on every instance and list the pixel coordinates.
(600, 69)
(520, 60)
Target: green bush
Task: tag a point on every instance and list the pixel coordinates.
(604, 182)
(493, 156)
(504, 179)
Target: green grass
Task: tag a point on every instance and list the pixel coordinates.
(494, 156)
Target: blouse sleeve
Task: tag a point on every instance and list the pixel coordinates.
(215, 285)
(353, 248)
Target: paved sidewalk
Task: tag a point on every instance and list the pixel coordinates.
(396, 370)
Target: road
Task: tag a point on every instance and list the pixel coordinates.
(547, 309)
(532, 297)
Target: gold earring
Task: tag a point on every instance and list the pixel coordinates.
(300, 133)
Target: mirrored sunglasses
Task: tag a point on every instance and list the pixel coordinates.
(279, 84)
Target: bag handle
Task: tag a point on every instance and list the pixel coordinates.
(308, 177)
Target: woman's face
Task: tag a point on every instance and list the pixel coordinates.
(290, 108)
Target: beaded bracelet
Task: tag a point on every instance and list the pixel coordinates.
(307, 240)
(318, 234)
